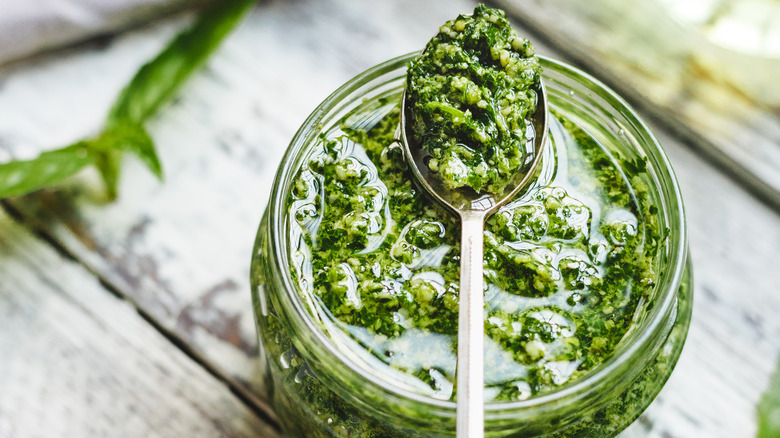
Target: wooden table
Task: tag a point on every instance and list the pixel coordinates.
(133, 318)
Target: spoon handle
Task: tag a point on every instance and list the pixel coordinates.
(471, 329)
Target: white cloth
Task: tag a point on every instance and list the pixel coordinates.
(29, 26)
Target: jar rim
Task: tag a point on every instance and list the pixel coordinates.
(586, 384)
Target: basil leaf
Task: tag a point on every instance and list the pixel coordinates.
(108, 148)
(769, 409)
(107, 162)
(160, 78)
(21, 177)
(154, 83)
(135, 139)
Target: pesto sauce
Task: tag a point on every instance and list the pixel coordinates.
(566, 264)
(471, 95)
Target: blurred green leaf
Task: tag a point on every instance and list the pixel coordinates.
(155, 83)
(769, 409)
(108, 163)
(49, 168)
(135, 139)
(158, 80)
(108, 148)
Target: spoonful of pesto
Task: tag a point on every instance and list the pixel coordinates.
(473, 125)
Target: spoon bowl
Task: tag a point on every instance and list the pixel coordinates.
(466, 199)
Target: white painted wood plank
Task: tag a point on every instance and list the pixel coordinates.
(76, 361)
(31, 26)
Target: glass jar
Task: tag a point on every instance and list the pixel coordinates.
(319, 391)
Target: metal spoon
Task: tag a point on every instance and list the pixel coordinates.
(473, 209)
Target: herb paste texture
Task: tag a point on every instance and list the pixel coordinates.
(471, 94)
(565, 265)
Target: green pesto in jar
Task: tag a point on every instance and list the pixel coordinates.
(471, 94)
(566, 264)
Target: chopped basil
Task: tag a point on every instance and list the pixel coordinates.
(565, 264)
(471, 94)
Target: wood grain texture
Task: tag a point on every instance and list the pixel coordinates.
(77, 361)
(179, 251)
(27, 28)
(721, 103)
